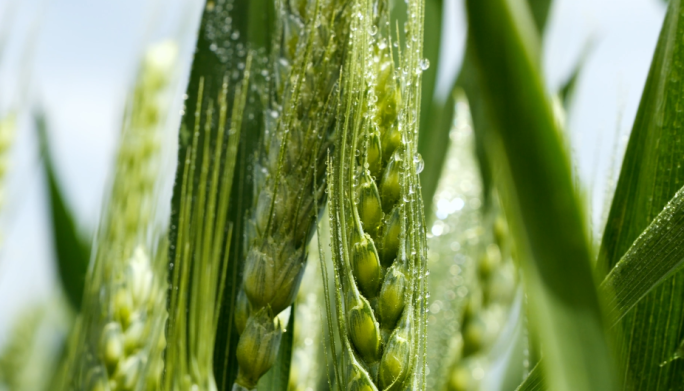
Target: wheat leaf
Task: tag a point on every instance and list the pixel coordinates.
(71, 251)
(437, 118)
(653, 257)
(430, 145)
(564, 302)
(651, 175)
(534, 381)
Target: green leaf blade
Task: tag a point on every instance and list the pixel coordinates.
(72, 254)
(534, 380)
(653, 257)
(433, 139)
(559, 280)
(651, 174)
(650, 177)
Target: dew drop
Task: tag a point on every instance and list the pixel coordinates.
(424, 64)
(418, 161)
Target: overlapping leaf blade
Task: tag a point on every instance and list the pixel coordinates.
(71, 251)
(654, 256)
(437, 116)
(651, 174)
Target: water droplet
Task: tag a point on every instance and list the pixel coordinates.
(235, 35)
(373, 30)
(424, 64)
(418, 161)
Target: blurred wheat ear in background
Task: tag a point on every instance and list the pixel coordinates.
(118, 340)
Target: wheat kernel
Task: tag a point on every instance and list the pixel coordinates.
(391, 240)
(364, 330)
(258, 347)
(391, 301)
(390, 185)
(366, 266)
(395, 360)
(370, 208)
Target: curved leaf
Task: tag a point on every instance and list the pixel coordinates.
(71, 251)
(654, 256)
(534, 381)
(651, 175)
(564, 302)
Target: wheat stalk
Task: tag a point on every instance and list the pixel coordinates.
(377, 219)
(308, 51)
(475, 286)
(491, 291)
